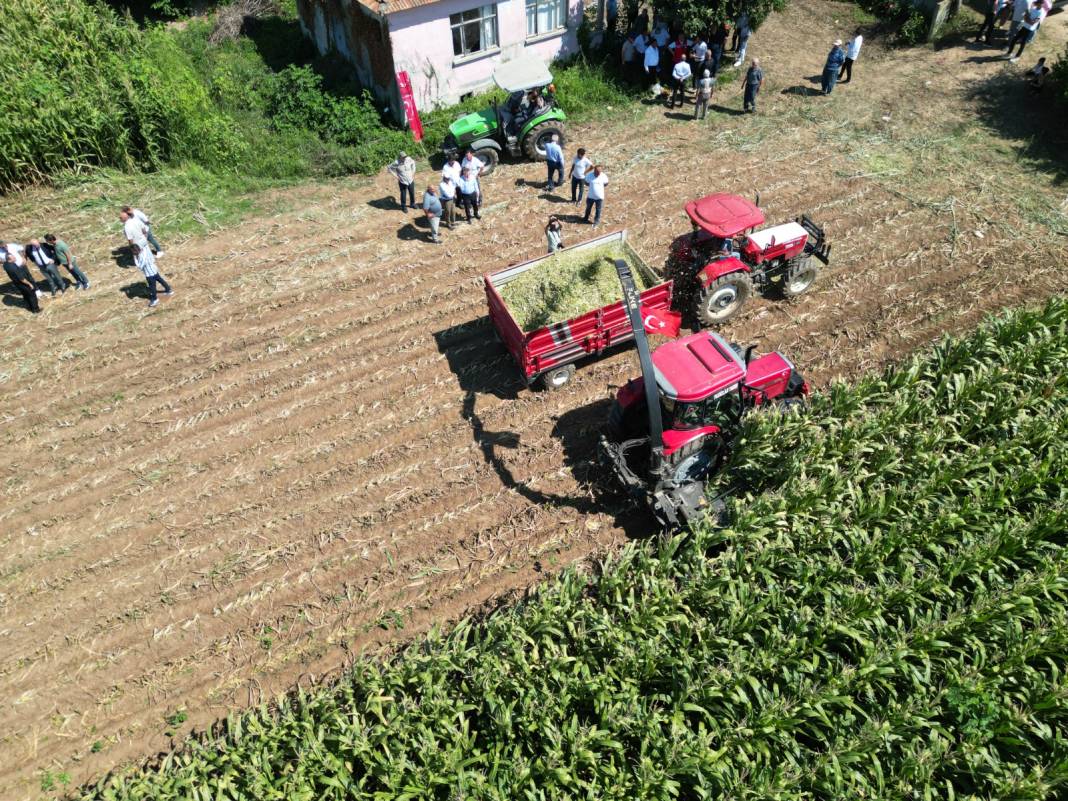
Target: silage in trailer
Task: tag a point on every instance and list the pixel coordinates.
(568, 284)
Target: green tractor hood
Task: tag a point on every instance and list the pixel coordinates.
(474, 126)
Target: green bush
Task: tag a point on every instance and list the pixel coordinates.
(912, 23)
(914, 30)
(1058, 77)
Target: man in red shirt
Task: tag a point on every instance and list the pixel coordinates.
(678, 49)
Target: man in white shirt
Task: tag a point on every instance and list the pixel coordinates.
(652, 63)
(852, 54)
(1028, 28)
(697, 57)
(16, 250)
(596, 181)
(680, 74)
(580, 165)
(447, 194)
(146, 263)
(146, 223)
(452, 169)
(469, 192)
(554, 163)
(473, 163)
(134, 229)
(475, 166)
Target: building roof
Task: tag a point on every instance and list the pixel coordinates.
(387, 7)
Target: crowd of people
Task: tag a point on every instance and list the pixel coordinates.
(48, 256)
(1023, 17)
(49, 253)
(460, 186)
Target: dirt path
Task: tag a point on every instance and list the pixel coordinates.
(316, 445)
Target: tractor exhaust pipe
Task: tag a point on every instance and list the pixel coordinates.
(632, 305)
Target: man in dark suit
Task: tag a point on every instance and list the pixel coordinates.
(22, 281)
(39, 256)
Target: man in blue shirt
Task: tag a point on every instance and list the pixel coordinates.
(468, 186)
(835, 59)
(554, 161)
(432, 210)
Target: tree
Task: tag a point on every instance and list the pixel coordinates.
(703, 15)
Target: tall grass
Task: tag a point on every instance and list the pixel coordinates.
(887, 617)
(81, 87)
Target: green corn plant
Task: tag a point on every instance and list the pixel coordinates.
(885, 617)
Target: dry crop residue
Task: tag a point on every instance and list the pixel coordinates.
(317, 440)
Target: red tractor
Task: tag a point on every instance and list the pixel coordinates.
(672, 428)
(727, 256)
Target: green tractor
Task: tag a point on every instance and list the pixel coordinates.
(521, 125)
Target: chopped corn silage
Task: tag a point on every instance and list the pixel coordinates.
(568, 284)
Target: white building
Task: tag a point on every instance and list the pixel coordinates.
(449, 48)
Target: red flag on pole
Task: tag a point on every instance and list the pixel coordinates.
(410, 111)
(661, 321)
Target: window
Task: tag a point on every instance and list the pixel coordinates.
(723, 411)
(474, 31)
(545, 16)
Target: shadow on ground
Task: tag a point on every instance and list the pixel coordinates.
(1013, 110)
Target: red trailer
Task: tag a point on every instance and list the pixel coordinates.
(548, 354)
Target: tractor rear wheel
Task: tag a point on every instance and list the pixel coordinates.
(489, 158)
(540, 135)
(800, 277)
(723, 298)
(556, 377)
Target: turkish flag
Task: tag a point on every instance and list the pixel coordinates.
(661, 321)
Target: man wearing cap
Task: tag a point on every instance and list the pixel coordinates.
(751, 83)
(835, 60)
(702, 95)
(403, 169)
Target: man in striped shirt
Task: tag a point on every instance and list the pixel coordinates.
(146, 263)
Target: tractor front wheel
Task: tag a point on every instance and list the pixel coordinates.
(489, 158)
(697, 460)
(723, 298)
(539, 136)
(800, 277)
(556, 377)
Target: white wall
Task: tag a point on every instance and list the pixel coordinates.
(422, 45)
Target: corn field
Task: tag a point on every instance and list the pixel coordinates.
(884, 618)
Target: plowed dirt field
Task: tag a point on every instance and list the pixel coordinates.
(316, 445)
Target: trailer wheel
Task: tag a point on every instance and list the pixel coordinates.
(489, 158)
(800, 277)
(556, 377)
(723, 298)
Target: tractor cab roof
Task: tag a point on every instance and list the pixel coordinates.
(724, 214)
(696, 367)
(521, 74)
